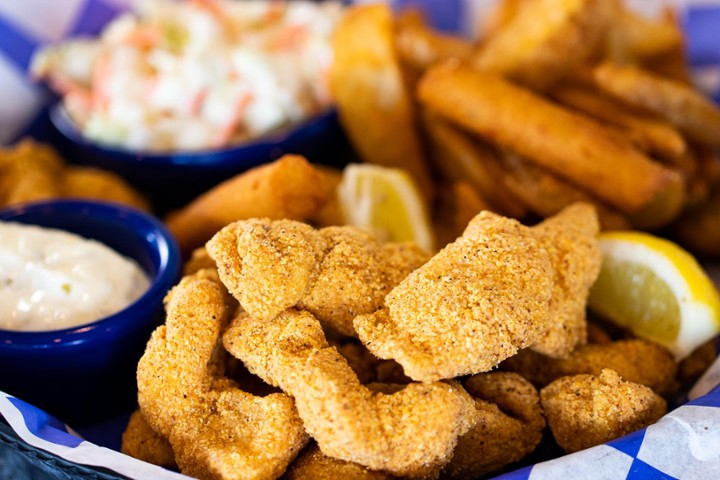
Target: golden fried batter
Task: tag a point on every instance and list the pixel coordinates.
(289, 187)
(511, 425)
(312, 464)
(629, 358)
(140, 441)
(570, 238)
(472, 305)
(587, 410)
(335, 273)
(216, 430)
(408, 433)
(93, 183)
(199, 259)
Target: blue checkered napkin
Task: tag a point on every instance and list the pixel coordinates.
(684, 444)
(61, 450)
(25, 25)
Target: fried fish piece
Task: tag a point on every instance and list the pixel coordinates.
(629, 358)
(570, 238)
(510, 427)
(215, 429)
(94, 183)
(140, 441)
(312, 464)
(475, 303)
(289, 187)
(587, 410)
(408, 433)
(335, 273)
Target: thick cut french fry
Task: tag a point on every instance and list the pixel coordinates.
(652, 134)
(545, 39)
(459, 158)
(547, 195)
(569, 144)
(632, 37)
(698, 230)
(685, 108)
(456, 205)
(371, 93)
(419, 46)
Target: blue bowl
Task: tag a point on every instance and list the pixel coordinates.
(86, 373)
(173, 179)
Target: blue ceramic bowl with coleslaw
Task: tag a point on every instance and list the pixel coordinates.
(178, 96)
(81, 373)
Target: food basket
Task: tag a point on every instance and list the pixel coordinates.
(683, 444)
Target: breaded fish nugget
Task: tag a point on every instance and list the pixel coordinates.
(570, 238)
(140, 441)
(475, 303)
(629, 358)
(216, 430)
(335, 273)
(88, 182)
(409, 433)
(511, 425)
(312, 464)
(587, 410)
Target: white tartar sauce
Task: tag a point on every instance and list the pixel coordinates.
(52, 279)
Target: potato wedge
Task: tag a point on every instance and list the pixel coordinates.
(375, 106)
(684, 107)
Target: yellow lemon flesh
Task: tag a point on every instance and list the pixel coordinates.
(657, 290)
(386, 202)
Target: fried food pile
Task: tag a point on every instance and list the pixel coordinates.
(31, 171)
(319, 353)
(556, 102)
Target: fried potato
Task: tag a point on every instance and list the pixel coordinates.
(420, 46)
(544, 40)
(375, 105)
(684, 107)
(699, 228)
(571, 145)
(289, 187)
(459, 158)
(546, 194)
(652, 134)
(587, 410)
(632, 37)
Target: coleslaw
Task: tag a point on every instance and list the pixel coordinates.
(195, 75)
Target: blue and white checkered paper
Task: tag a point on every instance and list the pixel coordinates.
(683, 444)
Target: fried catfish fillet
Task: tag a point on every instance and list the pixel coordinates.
(587, 410)
(215, 429)
(570, 238)
(511, 425)
(409, 433)
(475, 303)
(140, 441)
(312, 464)
(335, 273)
(629, 358)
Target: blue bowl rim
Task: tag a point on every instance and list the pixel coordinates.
(231, 154)
(165, 277)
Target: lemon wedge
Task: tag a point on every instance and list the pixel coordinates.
(387, 202)
(657, 290)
